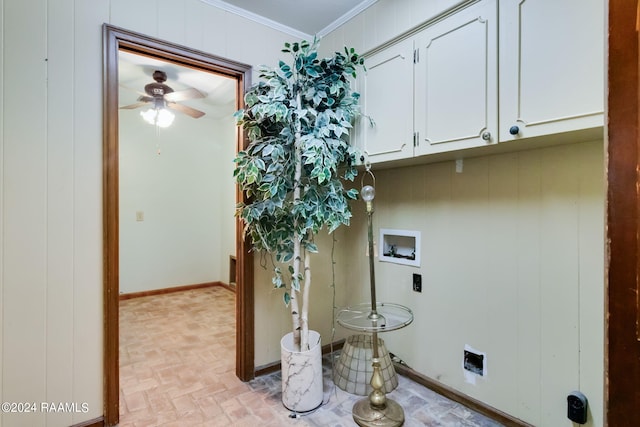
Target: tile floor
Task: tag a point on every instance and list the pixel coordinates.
(177, 369)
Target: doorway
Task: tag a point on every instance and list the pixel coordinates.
(176, 186)
(116, 40)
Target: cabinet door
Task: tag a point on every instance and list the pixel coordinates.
(385, 130)
(456, 81)
(551, 66)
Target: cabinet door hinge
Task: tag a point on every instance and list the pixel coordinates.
(416, 56)
(416, 139)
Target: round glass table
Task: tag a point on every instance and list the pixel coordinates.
(376, 410)
(386, 317)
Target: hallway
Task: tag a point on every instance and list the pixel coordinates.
(177, 370)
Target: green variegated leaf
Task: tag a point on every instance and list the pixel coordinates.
(352, 194)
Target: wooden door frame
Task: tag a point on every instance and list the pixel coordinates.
(622, 311)
(114, 39)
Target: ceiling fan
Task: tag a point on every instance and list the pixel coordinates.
(161, 97)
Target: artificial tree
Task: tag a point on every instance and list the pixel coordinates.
(294, 170)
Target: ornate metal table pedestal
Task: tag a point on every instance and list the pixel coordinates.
(377, 409)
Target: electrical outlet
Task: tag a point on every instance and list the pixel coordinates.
(474, 362)
(417, 282)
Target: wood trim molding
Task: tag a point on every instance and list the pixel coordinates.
(115, 39)
(110, 231)
(96, 422)
(173, 289)
(622, 348)
(245, 300)
(456, 396)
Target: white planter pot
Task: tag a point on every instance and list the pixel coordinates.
(301, 374)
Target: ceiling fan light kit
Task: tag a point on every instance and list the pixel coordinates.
(160, 117)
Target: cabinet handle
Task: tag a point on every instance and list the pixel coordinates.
(486, 136)
(514, 130)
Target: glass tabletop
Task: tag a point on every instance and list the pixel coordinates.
(387, 317)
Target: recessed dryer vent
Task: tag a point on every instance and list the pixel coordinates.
(400, 246)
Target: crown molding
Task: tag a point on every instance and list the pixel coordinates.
(346, 17)
(259, 19)
(284, 28)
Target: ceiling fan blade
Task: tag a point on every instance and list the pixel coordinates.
(132, 106)
(196, 114)
(183, 95)
(133, 90)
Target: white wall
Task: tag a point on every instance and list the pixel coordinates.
(177, 178)
(51, 208)
(512, 259)
(512, 265)
(51, 341)
(227, 198)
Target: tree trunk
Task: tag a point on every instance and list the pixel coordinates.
(295, 312)
(304, 315)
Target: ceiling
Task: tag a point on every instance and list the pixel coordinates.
(300, 18)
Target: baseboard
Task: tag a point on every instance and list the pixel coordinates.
(174, 289)
(450, 393)
(331, 347)
(267, 369)
(96, 422)
(459, 397)
(275, 366)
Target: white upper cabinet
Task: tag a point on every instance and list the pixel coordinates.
(456, 93)
(551, 67)
(385, 130)
(492, 71)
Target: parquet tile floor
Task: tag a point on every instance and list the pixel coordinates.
(177, 356)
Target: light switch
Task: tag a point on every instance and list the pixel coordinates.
(139, 216)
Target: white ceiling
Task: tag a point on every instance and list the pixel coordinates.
(300, 18)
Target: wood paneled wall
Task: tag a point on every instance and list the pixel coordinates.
(512, 265)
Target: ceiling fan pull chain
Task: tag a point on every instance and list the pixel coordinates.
(158, 151)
